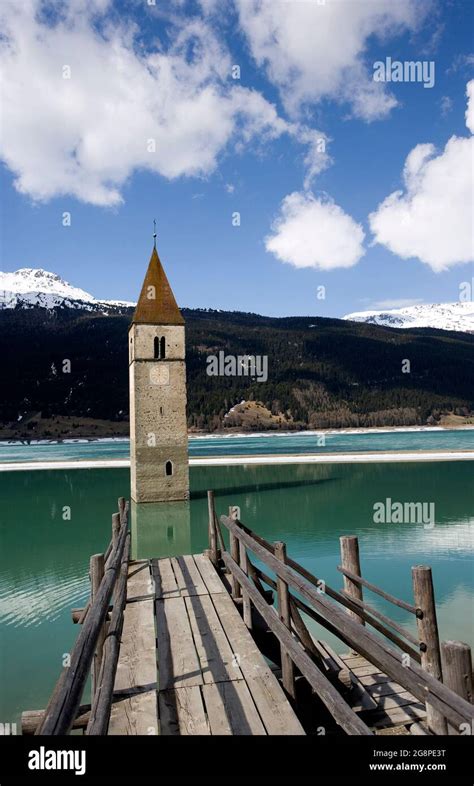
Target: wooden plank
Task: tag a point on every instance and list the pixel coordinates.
(178, 663)
(231, 710)
(420, 729)
(352, 661)
(135, 715)
(137, 661)
(395, 700)
(209, 574)
(212, 527)
(275, 710)
(31, 719)
(188, 578)
(182, 711)
(402, 715)
(387, 688)
(136, 671)
(359, 699)
(287, 667)
(164, 578)
(139, 583)
(366, 671)
(215, 655)
(246, 605)
(243, 646)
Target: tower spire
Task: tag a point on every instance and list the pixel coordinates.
(156, 304)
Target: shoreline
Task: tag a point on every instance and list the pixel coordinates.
(212, 461)
(246, 434)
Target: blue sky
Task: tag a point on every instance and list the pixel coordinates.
(248, 145)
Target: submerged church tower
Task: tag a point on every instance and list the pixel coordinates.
(157, 373)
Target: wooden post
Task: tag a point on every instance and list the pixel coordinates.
(121, 506)
(234, 553)
(102, 701)
(246, 600)
(115, 528)
(212, 528)
(116, 524)
(457, 671)
(96, 574)
(350, 561)
(284, 610)
(423, 594)
(65, 700)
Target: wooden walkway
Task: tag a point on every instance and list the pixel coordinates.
(381, 702)
(176, 646)
(187, 663)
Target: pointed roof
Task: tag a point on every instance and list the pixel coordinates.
(156, 304)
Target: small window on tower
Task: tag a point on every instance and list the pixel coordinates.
(162, 348)
(169, 468)
(156, 348)
(161, 410)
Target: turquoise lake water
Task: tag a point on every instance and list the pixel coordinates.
(44, 559)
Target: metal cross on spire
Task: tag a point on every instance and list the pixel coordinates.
(154, 233)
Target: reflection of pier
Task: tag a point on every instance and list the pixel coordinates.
(181, 645)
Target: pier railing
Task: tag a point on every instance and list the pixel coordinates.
(414, 663)
(97, 646)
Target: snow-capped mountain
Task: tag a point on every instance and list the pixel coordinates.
(28, 287)
(444, 316)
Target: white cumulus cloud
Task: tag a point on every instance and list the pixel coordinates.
(317, 50)
(315, 232)
(470, 106)
(432, 218)
(86, 104)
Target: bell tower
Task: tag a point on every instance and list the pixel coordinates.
(157, 374)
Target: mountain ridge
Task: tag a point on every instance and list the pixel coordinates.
(322, 373)
(458, 316)
(36, 287)
(33, 287)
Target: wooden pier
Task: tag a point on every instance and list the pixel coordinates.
(205, 671)
(182, 646)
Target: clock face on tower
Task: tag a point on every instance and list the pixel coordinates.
(159, 375)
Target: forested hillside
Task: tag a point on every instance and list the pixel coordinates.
(321, 373)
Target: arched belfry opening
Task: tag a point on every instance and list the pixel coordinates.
(159, 348)
(169, 468)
